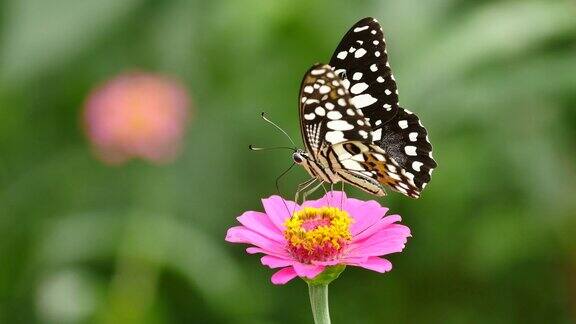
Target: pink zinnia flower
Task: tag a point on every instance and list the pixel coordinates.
(333, 230)
(137, 115)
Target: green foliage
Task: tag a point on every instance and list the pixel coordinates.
(493, 81)
(327, 276)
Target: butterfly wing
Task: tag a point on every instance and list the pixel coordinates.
(362, 59)
(339, 137)
(326, 115)
(368, 167)
(406, 141)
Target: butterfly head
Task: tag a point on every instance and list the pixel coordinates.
(299, 156)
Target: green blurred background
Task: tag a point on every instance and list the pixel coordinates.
(80, 241)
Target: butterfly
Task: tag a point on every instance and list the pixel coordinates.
(352, 125)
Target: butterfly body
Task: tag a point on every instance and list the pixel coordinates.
(316, 167)
(352, 126)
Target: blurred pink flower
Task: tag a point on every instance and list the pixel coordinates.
(137, 115)
(319, 234)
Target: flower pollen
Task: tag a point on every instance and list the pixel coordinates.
(317, 234)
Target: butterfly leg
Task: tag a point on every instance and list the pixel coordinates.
(342, 197)
(332, 191)
(303, 186)
(311, 191)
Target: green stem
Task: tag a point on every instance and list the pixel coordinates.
(319, 302)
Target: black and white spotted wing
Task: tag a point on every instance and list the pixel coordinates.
(406, 141)
(326, 115)
(361, 58)
(338, 138)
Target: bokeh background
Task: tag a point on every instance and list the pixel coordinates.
(86, 238)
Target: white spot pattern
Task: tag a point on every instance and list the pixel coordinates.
(410, 150)
(379, 157)
(410, 176)
(335, 137)
(339, 125)
(416, 165)
(363, 100)
(320, 111)
(309, 116)
(394, 176)
(359, 53)
(324, 89)
(334, 114)
(377, 134)
(358, 88)
(352, 165)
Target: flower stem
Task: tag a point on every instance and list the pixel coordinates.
(319, 302)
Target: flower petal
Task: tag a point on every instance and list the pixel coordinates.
(378, 249)
(307, 270)
(275, 262)
(380, 224)
(283, 276)
(365, 214)
(240, 234)
(388, 233)
(345, 260)
(261, 224)
(375, 263)
(389, 239)
(254, 250)
(278, 210)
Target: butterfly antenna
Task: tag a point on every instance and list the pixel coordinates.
(254, 148)
(263, 115)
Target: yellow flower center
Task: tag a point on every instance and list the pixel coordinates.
(317, 234)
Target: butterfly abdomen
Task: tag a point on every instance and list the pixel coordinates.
(319, 168)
